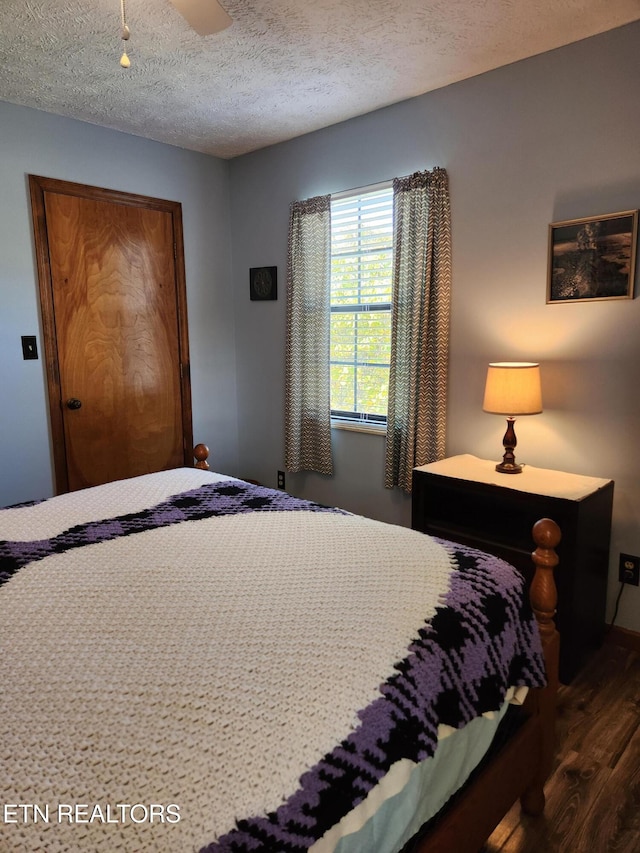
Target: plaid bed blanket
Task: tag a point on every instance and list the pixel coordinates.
(452, 659)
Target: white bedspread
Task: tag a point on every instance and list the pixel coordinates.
(203, 665)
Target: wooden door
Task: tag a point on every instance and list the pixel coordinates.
(112, 293)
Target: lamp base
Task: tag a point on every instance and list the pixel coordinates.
(509, 442)
(509, 467)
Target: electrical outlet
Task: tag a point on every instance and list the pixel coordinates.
(629, 569)
(281, 479)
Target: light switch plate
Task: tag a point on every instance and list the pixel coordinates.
(29, 347)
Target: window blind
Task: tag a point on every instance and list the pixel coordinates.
(361, 270)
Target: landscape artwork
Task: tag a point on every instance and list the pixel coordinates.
(592, 258)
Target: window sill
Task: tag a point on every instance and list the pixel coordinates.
(374, 429)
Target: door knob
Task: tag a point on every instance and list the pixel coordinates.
(74, 404)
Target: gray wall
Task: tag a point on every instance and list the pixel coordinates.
(547, 139)
(37, 143)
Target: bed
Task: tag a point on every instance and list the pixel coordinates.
(196, 663)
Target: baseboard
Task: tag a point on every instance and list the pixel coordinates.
(623, 637)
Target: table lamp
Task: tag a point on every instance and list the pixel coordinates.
(512, 389)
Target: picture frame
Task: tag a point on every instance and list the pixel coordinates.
(593, 258)
(263, 283)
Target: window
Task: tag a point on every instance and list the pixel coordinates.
(407, 237)
(361, 269)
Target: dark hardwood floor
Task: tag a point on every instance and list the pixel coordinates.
(593, 795)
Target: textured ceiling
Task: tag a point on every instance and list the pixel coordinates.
(283, 68)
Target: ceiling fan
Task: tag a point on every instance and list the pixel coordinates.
(206, 17)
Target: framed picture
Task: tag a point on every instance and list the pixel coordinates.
(592, 258)
(263, 283)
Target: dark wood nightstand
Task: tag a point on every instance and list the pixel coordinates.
(465, 499)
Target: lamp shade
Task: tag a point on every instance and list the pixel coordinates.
(513, 388)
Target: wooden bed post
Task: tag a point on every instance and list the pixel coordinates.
(544, 598)
(201, 452)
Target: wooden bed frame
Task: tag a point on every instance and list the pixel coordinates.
(521, 767)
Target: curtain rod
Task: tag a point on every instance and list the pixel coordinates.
(373, 187)
(377, 186)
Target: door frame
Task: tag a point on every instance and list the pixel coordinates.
(38, 187)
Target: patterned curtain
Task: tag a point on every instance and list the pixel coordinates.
(307, 391)
(420, 326)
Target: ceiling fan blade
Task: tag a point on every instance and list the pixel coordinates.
(204, 16)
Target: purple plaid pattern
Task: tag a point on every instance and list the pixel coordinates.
(225, 498)
(482, 640)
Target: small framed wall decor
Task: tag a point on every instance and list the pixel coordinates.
(592, 258)
(263, 283)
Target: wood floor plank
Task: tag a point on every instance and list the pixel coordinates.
(571, 793)
(613, 824)
(504, 831)
(585, 718)
(593, 793)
